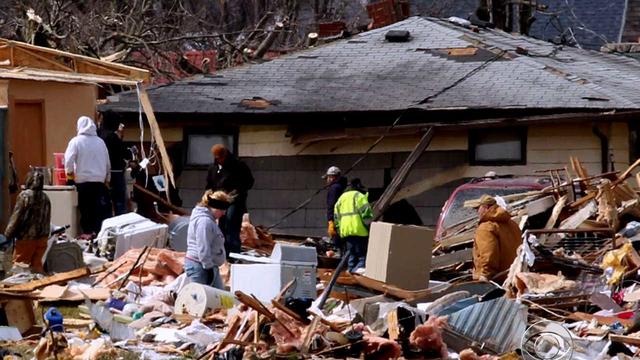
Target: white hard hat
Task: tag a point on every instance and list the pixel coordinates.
(332, 171)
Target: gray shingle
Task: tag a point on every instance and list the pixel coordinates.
(374, 75)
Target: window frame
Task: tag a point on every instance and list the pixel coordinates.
(187, 132)
(474, 135)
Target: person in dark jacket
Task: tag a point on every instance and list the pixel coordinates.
(119, 155)
(234, 177)
(30, 223)
(336, 184)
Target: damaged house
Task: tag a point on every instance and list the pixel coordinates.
(498, 102)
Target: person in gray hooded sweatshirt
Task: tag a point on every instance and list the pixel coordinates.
(86, 162)
(205, 241)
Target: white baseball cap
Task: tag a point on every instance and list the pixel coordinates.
(332, 171)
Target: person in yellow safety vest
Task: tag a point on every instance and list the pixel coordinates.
(352, 216)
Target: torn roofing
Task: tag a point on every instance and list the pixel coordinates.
(367, 73)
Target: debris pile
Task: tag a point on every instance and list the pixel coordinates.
(572, 290)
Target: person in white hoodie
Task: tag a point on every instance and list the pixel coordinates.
(86, 162)
(205, 241)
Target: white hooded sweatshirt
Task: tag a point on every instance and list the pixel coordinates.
(87, 156)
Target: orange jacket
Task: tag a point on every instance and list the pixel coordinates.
(496, 243)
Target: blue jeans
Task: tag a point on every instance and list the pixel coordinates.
(197, 274)
(357, 245)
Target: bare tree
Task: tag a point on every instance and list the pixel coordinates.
(150, 33)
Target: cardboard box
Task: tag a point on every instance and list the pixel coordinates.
(400, 255)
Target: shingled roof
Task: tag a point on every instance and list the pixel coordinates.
(489, 69)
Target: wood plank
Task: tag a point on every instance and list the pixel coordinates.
(625, 339)
(446, 260)
(157, 134)
(385, 200)
(578, 218)
(460, 239)
(539, 206)
(390, 290)
(394, 326)
(50, 280)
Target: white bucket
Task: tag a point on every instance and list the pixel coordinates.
(197, 299)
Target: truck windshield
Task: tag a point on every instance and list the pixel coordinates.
(457, 212)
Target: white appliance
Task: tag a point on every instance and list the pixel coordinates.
(64, 207)
(133, 231)
(264, 277)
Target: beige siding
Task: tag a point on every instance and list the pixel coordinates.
(63, 104)
(255, 141)
(552, 145)
(548, 146)
(169, 134)
(619, 144)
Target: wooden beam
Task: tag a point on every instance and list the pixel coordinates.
(162, 201)
(41, 52)
(390, 192)
(155, 130)
(446, 260)
(46, 60)
(50, 280)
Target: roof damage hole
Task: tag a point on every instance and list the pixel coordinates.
(257, 103)
(593, 98)
(463, 54)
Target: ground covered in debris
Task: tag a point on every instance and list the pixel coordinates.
(572, 292)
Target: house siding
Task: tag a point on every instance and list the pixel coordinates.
(286, 174)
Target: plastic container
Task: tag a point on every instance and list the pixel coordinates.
(59, 177)
(59, 160)
(197, 299)
(54, 319)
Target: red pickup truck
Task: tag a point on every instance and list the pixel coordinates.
(453, 212)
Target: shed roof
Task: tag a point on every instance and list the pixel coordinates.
(451, 66)
(20, 60)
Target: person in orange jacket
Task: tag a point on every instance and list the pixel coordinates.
(496, 240)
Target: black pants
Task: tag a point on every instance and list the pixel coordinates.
(119, 192)
(230, 225)
(94, 205)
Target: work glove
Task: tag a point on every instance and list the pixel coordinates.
(331, 229)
